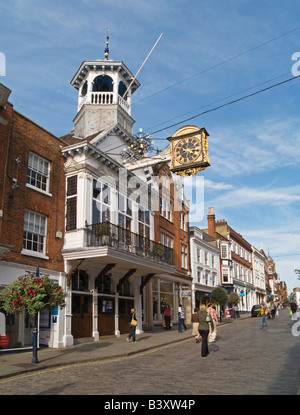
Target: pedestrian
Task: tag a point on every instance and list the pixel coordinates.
(168, 316)
(213, 327)
(268, 311)
(132, 326)
(294, 307)
(236, 311)
(181, 317)
(273, 310)
(263, 314)
(195, 321)
(205, 320)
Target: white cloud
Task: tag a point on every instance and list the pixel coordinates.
(244, 150)
(258, 196)
(209, 184)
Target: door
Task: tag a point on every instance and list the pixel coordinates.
(125, 305)
(106, 315)
(82, 325)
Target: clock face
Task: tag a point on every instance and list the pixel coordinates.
(187, 150)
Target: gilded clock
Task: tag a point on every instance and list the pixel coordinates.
(188, 150)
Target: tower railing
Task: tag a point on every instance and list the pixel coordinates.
(103, 98)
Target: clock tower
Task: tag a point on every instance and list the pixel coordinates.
(104, 90)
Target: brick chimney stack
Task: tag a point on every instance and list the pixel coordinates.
(211, 222)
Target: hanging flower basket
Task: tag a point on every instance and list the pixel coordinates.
(32, 293)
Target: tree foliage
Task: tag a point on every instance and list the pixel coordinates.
(297, 272)
(32, 293)
(234, 298)
(219, 296)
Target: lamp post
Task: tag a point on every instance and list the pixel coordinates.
(35, 329)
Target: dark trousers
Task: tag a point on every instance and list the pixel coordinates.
(168, 322)
(204, 346)
(132, 332)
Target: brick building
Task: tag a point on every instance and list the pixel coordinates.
(32, 209)
(235, 260)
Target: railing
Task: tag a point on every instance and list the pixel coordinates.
(102, 98)
(108, 234)
(123, 104)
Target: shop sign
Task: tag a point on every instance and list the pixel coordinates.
(186, 293)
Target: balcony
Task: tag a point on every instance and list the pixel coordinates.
(108, 234)
(103, 98)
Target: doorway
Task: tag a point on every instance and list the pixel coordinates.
(106, 315)
(125, 305)
(82, 315)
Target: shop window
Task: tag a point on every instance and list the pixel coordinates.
(106, 305)
(163, 294)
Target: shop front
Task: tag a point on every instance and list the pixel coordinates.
(202, 297)
(16, 330)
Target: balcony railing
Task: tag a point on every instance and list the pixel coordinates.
(108, 234)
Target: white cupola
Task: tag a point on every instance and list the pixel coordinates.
(104, 90)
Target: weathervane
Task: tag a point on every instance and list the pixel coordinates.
(106, 50)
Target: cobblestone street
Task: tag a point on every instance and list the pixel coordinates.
(245, 360)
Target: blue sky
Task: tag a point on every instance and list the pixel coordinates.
(211, 52)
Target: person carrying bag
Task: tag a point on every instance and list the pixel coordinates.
(205, 320)
(132, 325)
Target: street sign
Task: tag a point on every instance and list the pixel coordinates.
(242, 293)
(186, 293)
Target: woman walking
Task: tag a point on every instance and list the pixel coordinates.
(132, 326)
(204, 320)
(263, 313)
(168, 316)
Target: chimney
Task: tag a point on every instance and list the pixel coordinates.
(211, 222)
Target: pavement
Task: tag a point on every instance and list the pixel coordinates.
(107, 348)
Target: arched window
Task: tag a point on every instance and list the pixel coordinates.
(84, 89)
(122, 89)
(103, 83)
